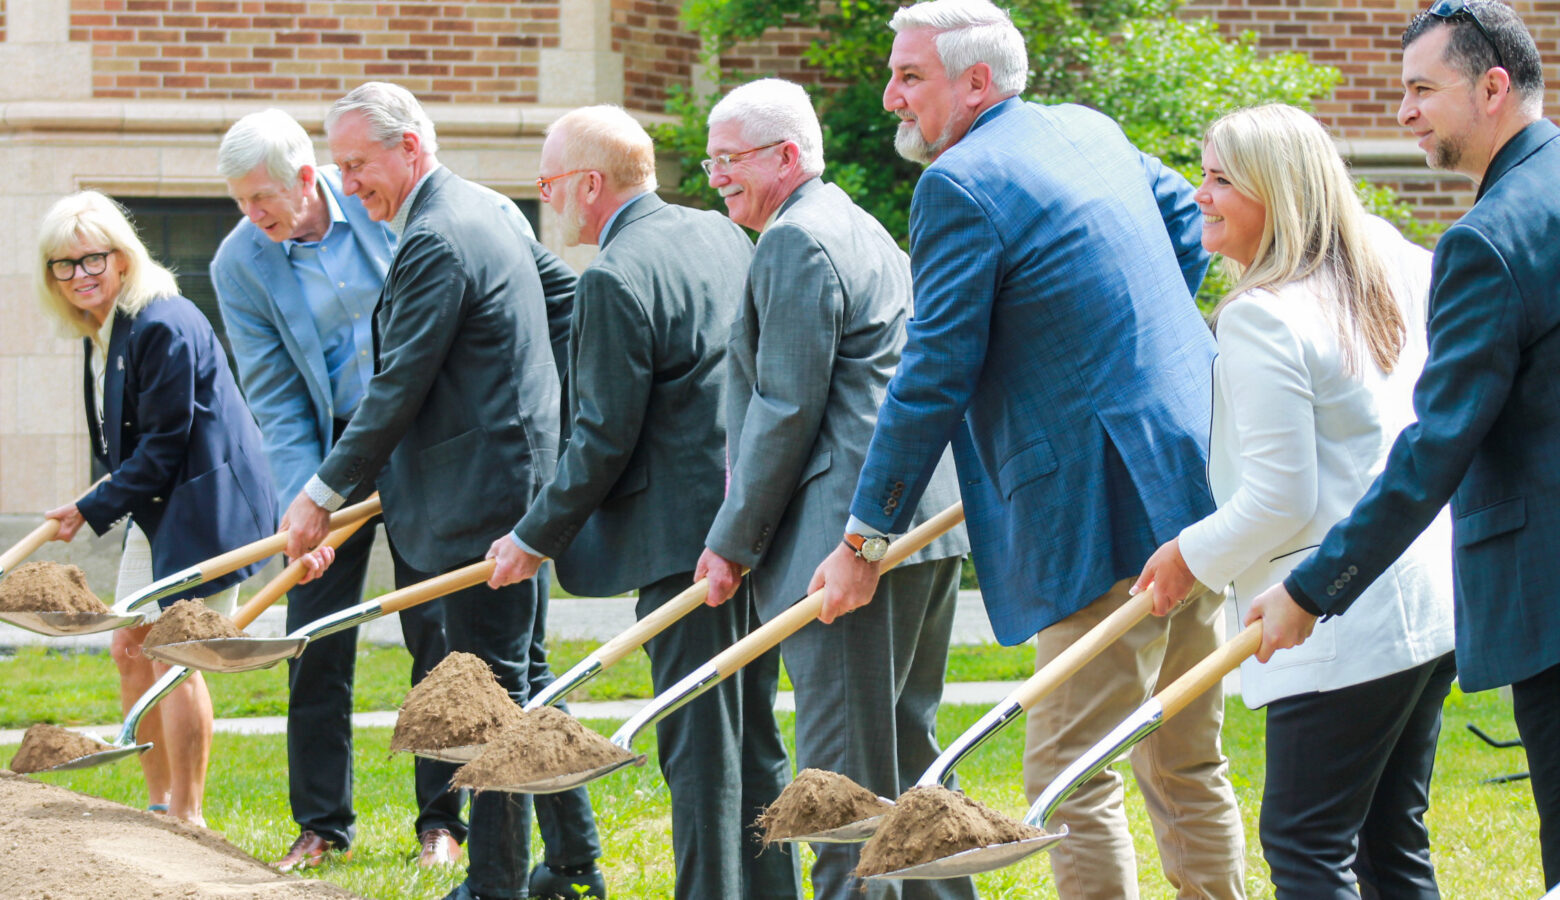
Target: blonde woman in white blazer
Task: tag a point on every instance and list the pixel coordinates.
(1320, 342)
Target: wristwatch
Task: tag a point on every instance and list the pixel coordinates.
(871, 549)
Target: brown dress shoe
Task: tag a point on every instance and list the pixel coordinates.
(308, 851)
(439, 848)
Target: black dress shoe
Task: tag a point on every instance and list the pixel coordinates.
(561, 883)
(461, 892)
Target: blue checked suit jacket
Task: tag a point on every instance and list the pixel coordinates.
(1056, 344)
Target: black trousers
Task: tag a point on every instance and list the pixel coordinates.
(1348, 783)
(1537, 711)
(721, 755)
(501, 628)
(319, 703)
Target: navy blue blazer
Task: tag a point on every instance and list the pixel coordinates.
(183, 451)
(1488, 435)
(1056, 344)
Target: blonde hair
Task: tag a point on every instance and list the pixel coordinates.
(608, 140)
(1315, 226)
(90, 216)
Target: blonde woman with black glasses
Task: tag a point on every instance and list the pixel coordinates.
(1320, 342)
(167, 421)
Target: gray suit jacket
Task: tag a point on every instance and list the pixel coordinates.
(644, 469)
(813, 347)
(460, 423)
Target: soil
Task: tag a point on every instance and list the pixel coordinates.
(818, 800)
(546, 743)
(930, 823)
(47, 746)
(60, 845)
(459, 703)
(190, 620)
(48, 587)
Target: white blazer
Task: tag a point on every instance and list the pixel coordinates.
(1296, 441)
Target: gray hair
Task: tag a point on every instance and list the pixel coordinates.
(271, 137)
(609, 140)
(773, 109)
(970, 32)
(391, 111)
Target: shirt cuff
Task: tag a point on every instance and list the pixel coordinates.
(322, 495)
(1303, 600)
(856, 526)
(524, 546)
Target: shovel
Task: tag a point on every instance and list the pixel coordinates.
(62, 624)
(1122, 738)
(1022, 699)
(728, 661)
(36, 538)
(125, 745)
(625, 643)
(246, 653)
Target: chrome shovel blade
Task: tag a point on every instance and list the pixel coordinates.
(65, 624)
(976, 861)
(240, 654)
(849, 833)
(569, 781)
(458, 755)
(108, 754)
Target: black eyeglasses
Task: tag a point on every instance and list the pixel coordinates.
(1456, 9)
(92, 264)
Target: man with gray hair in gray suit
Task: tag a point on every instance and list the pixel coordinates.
(643, 474)
(816, 339)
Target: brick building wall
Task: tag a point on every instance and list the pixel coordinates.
(483, 52)
(658, 51)
(1360, 38)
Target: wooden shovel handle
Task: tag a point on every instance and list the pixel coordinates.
(437, 586)
(39, 536)
(231, 561)
(771, 633)
(26, 546)
(659, 620)
(1211, 670)
(288, 579)
(1069, 661)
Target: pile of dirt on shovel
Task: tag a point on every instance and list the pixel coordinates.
(61, 845)
(818, 800)
(190, 620)
(48, 587)
(930, 823)
(546, 743)
(47, 746)
(458, 704)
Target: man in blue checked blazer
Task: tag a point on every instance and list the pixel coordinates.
(1056, 345)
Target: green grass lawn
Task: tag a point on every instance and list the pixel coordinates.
(1484, 836)
(71, 688)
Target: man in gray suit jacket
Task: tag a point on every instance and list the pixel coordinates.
(815, 343)
(459, 425)
(643, 474)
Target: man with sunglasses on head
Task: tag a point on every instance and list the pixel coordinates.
(1487, 432)
(816, 339)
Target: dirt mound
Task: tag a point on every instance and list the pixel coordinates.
(47, 746)
(61, 845)
(460, 703)
(929, 823)
(545, 743)
(818, 800)
(48, 587)
(190, 620)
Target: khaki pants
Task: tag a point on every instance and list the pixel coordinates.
(1180, 768)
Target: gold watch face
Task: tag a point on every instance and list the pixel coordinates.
(873, 548)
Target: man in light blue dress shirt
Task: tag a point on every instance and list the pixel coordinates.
(297, 283)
